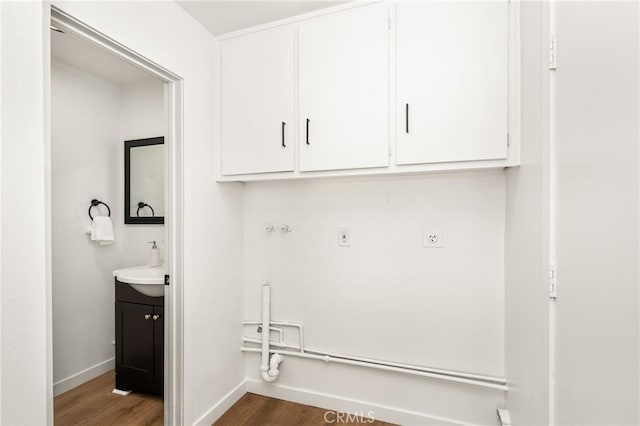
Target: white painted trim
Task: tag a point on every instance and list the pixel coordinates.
(504, 416)
(514, 103)
(392, 87)
(552, 212)
(346, 405)
(174, 228)
(217, 112)
(223, 405)
(47, 206)
(392, 170)
(174, 312)
(71, 25)
(75, 380)
(49, 333)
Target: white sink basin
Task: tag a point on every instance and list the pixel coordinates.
(147, 280)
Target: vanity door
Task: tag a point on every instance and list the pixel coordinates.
(135, 340)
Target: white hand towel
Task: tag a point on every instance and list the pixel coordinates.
(102, 230)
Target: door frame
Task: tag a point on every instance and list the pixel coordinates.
(174, 310)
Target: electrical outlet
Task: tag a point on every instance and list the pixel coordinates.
(432, 239)
(344, 237)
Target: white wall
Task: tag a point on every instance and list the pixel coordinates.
(597, 98)
(212, 283)
(142, 116)
(85, 135)
(143, 109)
(385, 296)
(25, 385)
(527, 237)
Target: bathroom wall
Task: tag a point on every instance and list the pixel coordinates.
(91, 117)
(85, 134)
(142, 116)
(385, 296)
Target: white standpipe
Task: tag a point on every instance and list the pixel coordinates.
(268, 367)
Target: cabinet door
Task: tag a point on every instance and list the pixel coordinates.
(134, 340)
(257, 98)
(158, 344)
(344, 90)
(452, 69)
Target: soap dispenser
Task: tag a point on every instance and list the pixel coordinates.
(154, 254)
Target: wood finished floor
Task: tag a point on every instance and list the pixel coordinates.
(93, 404)
(256, 410)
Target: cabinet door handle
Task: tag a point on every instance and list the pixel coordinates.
(155, 317)
(406, 118)
(308, 131)
(283, 144)
(147, 316)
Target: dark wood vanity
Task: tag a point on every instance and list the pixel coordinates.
(139, 341)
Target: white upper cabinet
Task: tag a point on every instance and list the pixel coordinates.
(258, 82)
(344, 90)
(452, 81)
(385, 87)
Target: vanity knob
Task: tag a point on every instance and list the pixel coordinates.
(147, 316)
(155, 317)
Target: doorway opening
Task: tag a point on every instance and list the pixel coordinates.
(103, 94)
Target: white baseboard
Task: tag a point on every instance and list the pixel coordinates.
(504, 416)
(83, 376)
(345, 405)
(223, 405)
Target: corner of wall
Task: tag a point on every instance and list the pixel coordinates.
(222, 405)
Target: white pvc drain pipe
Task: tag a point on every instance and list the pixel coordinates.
(268, 367)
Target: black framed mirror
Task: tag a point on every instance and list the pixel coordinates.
(144, 164)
